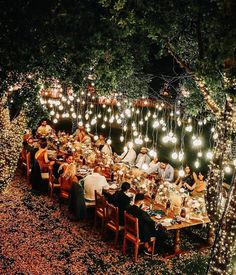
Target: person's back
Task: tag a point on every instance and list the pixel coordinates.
(94, 182)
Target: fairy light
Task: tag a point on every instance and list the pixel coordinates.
(174, 155)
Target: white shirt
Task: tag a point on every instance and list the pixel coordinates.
(152, 167)
(44, 130)
(129, 156)
(94, 182)
(142, 159)
(167, 174)
(106, 149)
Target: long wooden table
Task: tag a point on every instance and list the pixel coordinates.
(178, 226)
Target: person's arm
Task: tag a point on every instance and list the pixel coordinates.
(46, 157)
(170, 175)
(195, 177)
(191, 188)
(146, 218)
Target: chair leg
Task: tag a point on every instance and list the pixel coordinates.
(116, 238)
(153, 247)
(136, 247)
(124, 246)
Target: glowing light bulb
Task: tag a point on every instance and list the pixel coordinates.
(227, 169)
(125, 149)
(164, 128)
(103, 126)
(52, 113)
(189, 128)
(155, 124)
(99, 115)
(181, 172)
(95, 137)
(73, 115)
(146, 139)
(199, 154)
(181, 155)
(80, 123)
(174, 140)
(165, 139)
(71, 98)
(60, 108)
(174, 155)
(87, 116)
(122, 138)
(197, 163)
(209, 155)
(215, 136)
(135, 133)
(55, 120)
(119, 121)
(109, 141)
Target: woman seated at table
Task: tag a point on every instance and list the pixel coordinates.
(199, 186)
(122, 200)
(68, 176)
(187, 178)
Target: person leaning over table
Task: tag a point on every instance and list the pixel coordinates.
(128, 156)
(44, 129)
(142, 158)
(153, 165)
(147, 227)
(94, 182)
(122, 200)
(199, 187)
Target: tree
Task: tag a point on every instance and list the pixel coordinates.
(200, 36)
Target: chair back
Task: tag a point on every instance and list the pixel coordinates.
(112, 214)
(131, 225)
(100, 203)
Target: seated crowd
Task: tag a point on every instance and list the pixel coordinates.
(65, 157)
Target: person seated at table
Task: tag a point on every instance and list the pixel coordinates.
(187, 178)
(147, 227)
(199, 186)
(101, 141)
(128, 156)
(94, 182)
(165, 171)
(153, 165)
(67, 161)
(106, 149)
(82, 136)
(68, 176)
(122, 200)
(143, 160)
(44, 129)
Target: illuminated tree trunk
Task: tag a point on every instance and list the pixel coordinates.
(223, 218)
(11, 133)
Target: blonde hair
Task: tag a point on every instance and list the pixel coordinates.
(70, 171)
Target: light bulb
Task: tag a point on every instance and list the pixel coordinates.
(227, 169)
(52, 113)
(95, 137)
(80, 123)
(135, 133)
(103, 126)
(165, 139)
(109, 141)
(60, 107)
(209, 155)
(146, 139)
(174, 155)
(181, 172)
(73, 115)
(199, 154)
(119, 121)
(122, 138)
(55, 120)
(197, 164)
(155, 124)
(181, 155)
(174, 140)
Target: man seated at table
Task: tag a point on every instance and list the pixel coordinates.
(143, 159)
(165, 171)
(122, 200)
(153, 165)
(101, 141)
(94, 182)
(44, 129)
(147, 227)
(129, 155)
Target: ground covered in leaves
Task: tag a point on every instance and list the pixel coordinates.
(38, 238)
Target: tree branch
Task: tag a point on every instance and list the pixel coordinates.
(202, 87)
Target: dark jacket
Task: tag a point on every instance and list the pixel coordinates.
(146, 224)
(122, 201)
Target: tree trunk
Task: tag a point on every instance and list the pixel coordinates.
(223, 218)
(11, 133)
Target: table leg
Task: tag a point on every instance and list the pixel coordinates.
(177, 241)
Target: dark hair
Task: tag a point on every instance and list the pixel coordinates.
(139, 197)
(190, 168)
(125, 186)
(67, 156)
(43, 144)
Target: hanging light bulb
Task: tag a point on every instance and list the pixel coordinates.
(227, 169)
(95, 137)
(57, 115)
(141, 122)
(181, 155)
(125, 128)
(119, 121)
(80, 123)
(109, 110)
(125, 149)
(199, 154)
(189, 128)
(52, 113)
(60, 108)
(103, 126)
(109, 141)
(215, 135)
(209, 155)
(174, 155)
(73, 115)
(152, 153)
(71, 98)
(165, 139)
(146, 139)
(181, 172)
(128, 112)
(87, 116)
(105, 118)
(99, 115)
(174, 139)
(135, 133)
(137, 111)
(55, 120)
(155, 124)
(122, 138)
(197, 164)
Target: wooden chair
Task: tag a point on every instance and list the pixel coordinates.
(112, 221)
(64, 191)
(131, 234)
(52, 184)
(100, 210)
